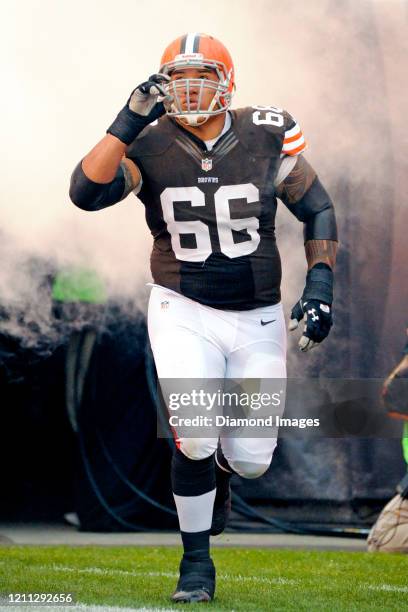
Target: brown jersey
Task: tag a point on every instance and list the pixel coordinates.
(212, 213)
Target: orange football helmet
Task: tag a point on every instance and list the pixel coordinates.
(198, 51)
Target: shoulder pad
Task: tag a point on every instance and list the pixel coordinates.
(155, 139)
(261, 127)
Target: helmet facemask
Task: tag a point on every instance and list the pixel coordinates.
(180, 90)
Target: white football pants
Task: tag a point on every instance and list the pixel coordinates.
(190, 340)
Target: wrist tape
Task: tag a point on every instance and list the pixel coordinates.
(319, 284)
(127, 125)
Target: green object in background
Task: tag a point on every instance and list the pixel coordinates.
(405, 442)
(77, 284)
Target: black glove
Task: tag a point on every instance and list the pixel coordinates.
(146, 104)
(318, 321)
(314, 307)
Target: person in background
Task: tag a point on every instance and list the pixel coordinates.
(390, 532)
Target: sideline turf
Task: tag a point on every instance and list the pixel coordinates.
(248, 579)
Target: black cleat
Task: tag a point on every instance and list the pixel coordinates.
(222, 509)
(196, 582)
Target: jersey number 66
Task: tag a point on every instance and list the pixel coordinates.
(225, 225)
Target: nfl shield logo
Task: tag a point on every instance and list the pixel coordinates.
(206, 164)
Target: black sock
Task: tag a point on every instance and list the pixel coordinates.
(191, 479)
(196, 545)
(190, 476)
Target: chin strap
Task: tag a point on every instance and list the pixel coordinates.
(193, 120)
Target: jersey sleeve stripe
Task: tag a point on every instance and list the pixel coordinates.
(293, 131)
(293, 138)
(296, 150)
(288, 146)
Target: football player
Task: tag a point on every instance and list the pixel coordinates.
(209, 178)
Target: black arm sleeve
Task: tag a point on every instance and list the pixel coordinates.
(316, 210)
(88, 195)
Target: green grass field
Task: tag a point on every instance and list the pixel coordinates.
(248, 579)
